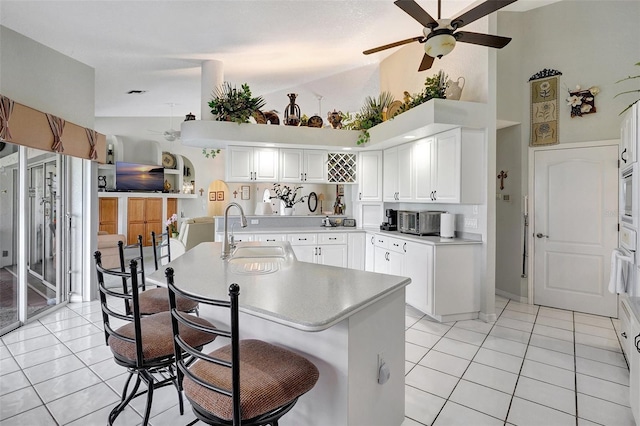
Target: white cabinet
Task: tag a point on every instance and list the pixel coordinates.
(444, 277)
(389, 255)
(356, 251)
(628, 136)
(444, 168)
(370, 250)
(398, 173)
(370, 176)
(250, 164)
(269, 237)
(298, 165)
(324, 249)
(634, 368)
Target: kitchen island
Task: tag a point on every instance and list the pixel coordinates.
(347, 322)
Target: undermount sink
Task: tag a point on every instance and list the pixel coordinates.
(258, 252)
(252, 260)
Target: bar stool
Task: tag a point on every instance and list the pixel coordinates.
(144, 344)
(248, 382)
(153, 300)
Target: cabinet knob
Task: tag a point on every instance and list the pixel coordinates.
(541, 235)
(404, 247)
(624, 334)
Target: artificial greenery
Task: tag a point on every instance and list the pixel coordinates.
(371, 114)
(631, 77)
(210, 153)
(434, 87)
(230, 104)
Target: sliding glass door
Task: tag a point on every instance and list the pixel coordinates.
(38, 281)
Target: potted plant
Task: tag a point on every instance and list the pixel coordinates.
(230, 104)
(288, 196)
(370, 114)
(631, 77)
(434, 87)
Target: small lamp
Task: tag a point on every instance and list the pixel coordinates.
(439, 43)
(321, 199)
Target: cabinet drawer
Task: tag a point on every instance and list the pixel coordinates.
(380, 241)
(398, 246)
(270, 237)
(334, 238)
(302, 239)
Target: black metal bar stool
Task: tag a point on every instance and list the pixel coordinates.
(144, 345)
(248, 382)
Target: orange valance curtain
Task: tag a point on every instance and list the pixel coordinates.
(57, 127)
(6, 108)
(46, 132)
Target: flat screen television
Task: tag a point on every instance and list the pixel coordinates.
(139, 177)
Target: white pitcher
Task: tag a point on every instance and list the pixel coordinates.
(454, 89)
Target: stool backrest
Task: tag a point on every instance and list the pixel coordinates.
(131, 301)
(181, 347)
(124, 260)
(161, 247)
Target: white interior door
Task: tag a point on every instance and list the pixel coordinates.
(575, 228)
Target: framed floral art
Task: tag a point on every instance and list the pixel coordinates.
(544, 107)
(582, 102)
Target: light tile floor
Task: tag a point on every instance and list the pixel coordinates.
(534, 366)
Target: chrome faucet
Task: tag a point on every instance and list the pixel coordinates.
(226, 247)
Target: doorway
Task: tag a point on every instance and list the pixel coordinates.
(37, 283)
(574, 227)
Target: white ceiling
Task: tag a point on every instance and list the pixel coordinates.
(158, 46)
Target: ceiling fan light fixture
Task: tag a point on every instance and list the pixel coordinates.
(439, 45)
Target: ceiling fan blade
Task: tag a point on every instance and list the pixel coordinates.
(390, 45)
(481, 10)
(426, 63)
(482, 39)
(416, 12)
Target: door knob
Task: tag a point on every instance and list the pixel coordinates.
(541, 235)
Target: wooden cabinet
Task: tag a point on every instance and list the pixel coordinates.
(324, 249)
(301, 165)
(108, 214)
(172, 207)
(251, 164)
(143, 216)
(628, 136)
(370, 176)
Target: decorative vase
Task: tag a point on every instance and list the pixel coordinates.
(174, 235)
(292, 111)
(454, 89)
(287, 211)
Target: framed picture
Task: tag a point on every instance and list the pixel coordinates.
(340, 189)
(219, 195)
(245, 194)
(212, 196)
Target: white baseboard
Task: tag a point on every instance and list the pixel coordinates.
(521, 299)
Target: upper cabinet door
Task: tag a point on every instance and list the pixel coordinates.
(446, 167)
(265, 164)
(405, 172)
(291, 164)
(422, 160)
(239, 164)
(370, 176)
(390, 175)
(315, 166)
(628, 136)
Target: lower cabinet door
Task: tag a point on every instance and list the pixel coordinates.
(333, 255)
(305, 253)
(634, 368)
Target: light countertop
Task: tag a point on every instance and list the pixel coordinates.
(301, 295)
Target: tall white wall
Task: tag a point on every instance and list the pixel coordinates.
(41, 78)
(592, 44)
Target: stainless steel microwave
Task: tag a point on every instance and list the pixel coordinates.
(419, 222)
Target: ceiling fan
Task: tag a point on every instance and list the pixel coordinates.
(170, 135)
(440, 36)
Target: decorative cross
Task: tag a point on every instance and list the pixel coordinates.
(502, 176)
(235, 194)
